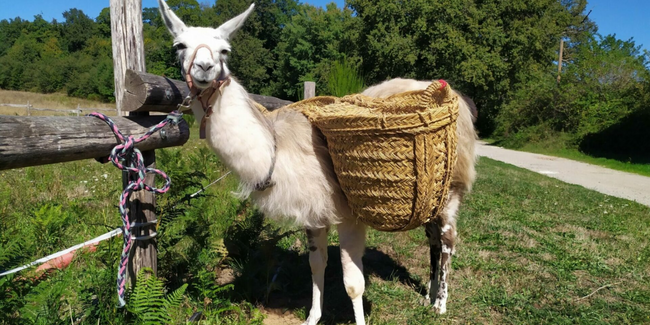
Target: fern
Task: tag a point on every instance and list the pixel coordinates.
(147, 301)
(175, 299)
(49, 223)
(8, 252)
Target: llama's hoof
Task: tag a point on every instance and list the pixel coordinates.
(440, 307)
(311, 320)
(425, 301)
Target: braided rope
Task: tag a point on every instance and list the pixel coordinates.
(126, 152)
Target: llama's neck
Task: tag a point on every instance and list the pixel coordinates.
(241, 135)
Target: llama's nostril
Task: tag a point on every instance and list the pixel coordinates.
(205, 66)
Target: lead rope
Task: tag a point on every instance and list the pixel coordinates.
(127, 152)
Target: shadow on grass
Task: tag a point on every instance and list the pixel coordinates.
(279, 280)
(625, 141)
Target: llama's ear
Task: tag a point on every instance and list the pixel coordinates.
(174, 24)
(228, 28)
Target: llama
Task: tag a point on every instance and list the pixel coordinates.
(285, 168)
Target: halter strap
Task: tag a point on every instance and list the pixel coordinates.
(208, 95)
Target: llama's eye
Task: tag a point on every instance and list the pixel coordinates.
(225, 52)
(180, 46)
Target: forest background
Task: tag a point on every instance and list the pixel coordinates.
(503, 54)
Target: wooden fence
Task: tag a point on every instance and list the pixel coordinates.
(38, 140)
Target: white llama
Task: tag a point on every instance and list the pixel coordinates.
(284, 165)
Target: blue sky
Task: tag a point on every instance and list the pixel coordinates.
(625, 18)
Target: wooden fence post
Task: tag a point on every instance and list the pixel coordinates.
(142, 209)
(128, 53)
(310, 89)
(128, 45)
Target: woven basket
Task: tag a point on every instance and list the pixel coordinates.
(393, 157)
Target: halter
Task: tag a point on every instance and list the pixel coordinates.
(208, 96)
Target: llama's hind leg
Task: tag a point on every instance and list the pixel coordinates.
(317, 239)
(447, 240)
(352, 237)
(447, 250)
(432, 230)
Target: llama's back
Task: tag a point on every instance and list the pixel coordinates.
(464, 171)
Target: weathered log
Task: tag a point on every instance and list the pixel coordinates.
(149, 92)
(39, 140)
(271, 103)
(128, 44)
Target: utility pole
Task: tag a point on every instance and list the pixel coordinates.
(559, 61)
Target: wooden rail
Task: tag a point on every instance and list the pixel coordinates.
(148, 92)
(39, 140)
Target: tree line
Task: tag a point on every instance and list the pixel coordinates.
(504, 54)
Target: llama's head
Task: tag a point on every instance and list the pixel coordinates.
(202, 51)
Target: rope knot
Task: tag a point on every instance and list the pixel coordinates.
(128, 158)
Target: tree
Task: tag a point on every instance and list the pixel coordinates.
(254, 59)
(103, 22)
(10, 30)
(76, 29)
(16, 67)
(605, 81)
(309, 46)
(484, 48)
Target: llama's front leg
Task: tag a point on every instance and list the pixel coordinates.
(352, 237)
(317, 239)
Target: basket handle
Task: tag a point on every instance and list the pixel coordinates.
(438, 90)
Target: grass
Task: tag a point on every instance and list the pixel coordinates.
(48, 208)
(575, 154)
(52, 101)
(530, 249)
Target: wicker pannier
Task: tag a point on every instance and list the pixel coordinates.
(393, 157)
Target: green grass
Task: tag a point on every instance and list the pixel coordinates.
(48, 208)
(530, 248)
(575, 154)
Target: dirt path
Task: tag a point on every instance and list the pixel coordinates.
(611, 182)
(285, 319)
